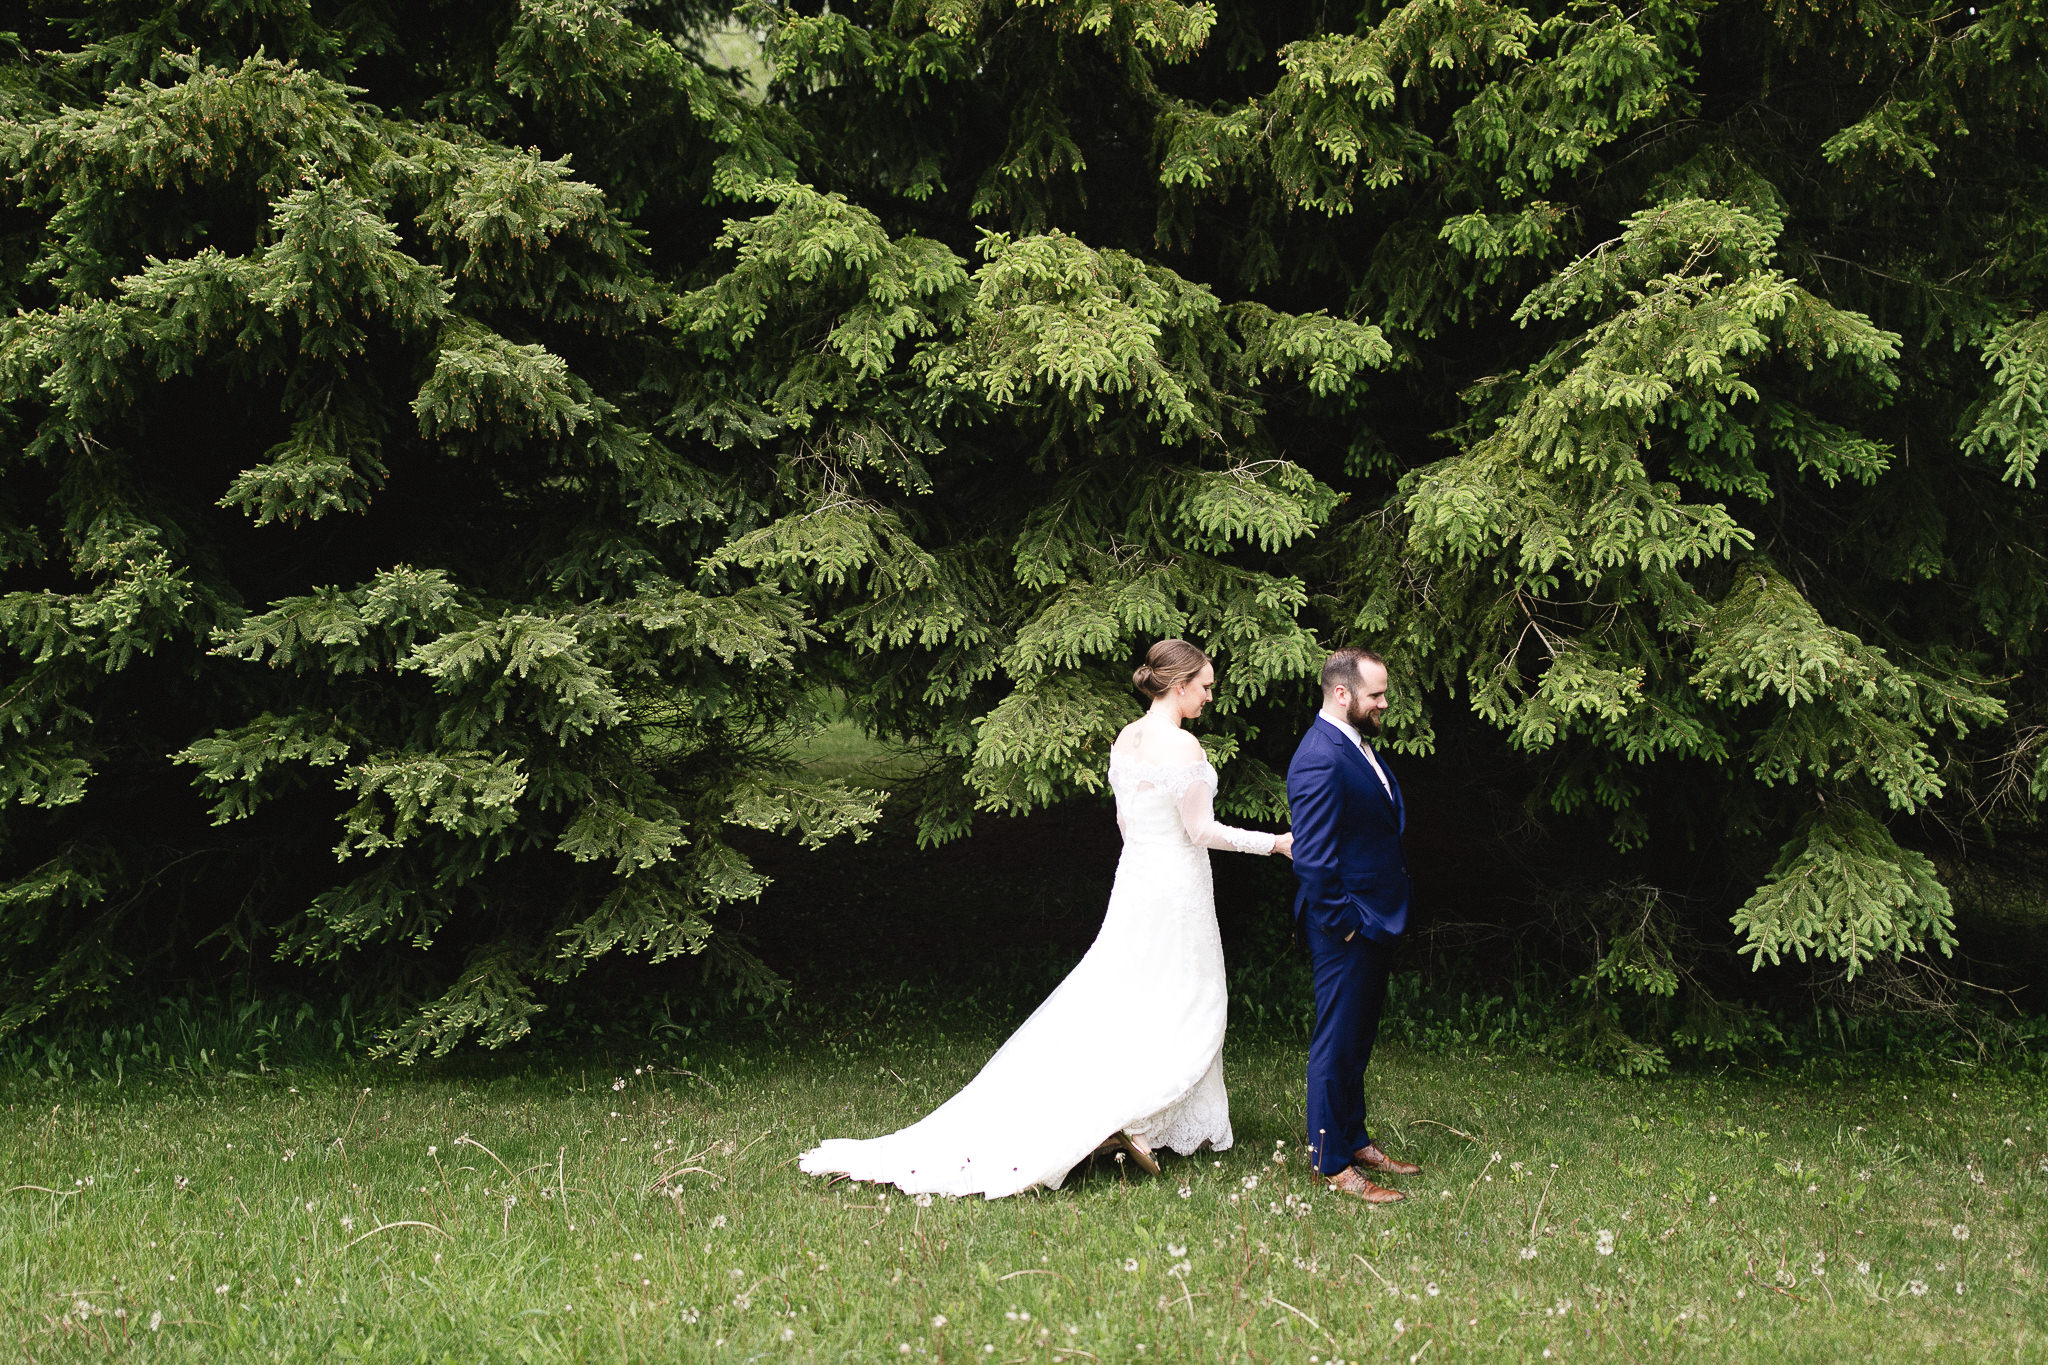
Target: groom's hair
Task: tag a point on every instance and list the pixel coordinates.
(1346, 668)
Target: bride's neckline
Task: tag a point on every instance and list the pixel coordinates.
(1133, 761)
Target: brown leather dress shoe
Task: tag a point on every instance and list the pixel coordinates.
(1373, 1159)
(1352, 1181)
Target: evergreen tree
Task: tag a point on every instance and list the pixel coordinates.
(335, 489)
(457, 438)
(1664, 399)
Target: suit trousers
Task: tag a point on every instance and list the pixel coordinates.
(1351, 988)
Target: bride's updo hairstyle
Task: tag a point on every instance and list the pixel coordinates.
(1168, 665)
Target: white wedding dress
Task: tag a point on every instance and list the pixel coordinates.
(1131, 1040)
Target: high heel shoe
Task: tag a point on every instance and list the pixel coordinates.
(1146, 1162)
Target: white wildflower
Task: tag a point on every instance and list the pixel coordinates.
(1604, 1243)
(1175, 1251)
(939, 1320)
(1186, 1192)
(1916, 1288)
(1863, 1267)
(1528, 1253)
(1131, 1264)
(619, 1084)
(156, 1321)
(719, 1221)
(923, 1201)
(1250, 1182)
(1960, 1233)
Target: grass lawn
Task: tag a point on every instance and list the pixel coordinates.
(535, 1210)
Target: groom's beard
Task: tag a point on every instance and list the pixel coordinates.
(1362, 720)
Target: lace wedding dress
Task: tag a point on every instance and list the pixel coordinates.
(1131, 1040)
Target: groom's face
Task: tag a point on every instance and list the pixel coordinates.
(1368, 699)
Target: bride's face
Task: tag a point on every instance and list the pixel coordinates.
(1197, 693)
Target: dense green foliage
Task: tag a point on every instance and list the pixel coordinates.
(456, 439)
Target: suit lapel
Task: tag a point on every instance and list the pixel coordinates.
(1400, 802)
(1362, 768)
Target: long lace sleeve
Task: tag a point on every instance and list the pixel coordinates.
(1198, 817)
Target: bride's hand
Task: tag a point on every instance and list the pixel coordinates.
(1283, 844)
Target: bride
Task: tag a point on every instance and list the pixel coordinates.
(1131, 1043)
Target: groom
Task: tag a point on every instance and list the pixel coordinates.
(1351, 908)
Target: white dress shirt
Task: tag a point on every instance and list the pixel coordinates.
(1351, 733)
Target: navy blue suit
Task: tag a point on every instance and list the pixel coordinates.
(1351, 907)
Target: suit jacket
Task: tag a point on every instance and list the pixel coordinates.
(1348, 862)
